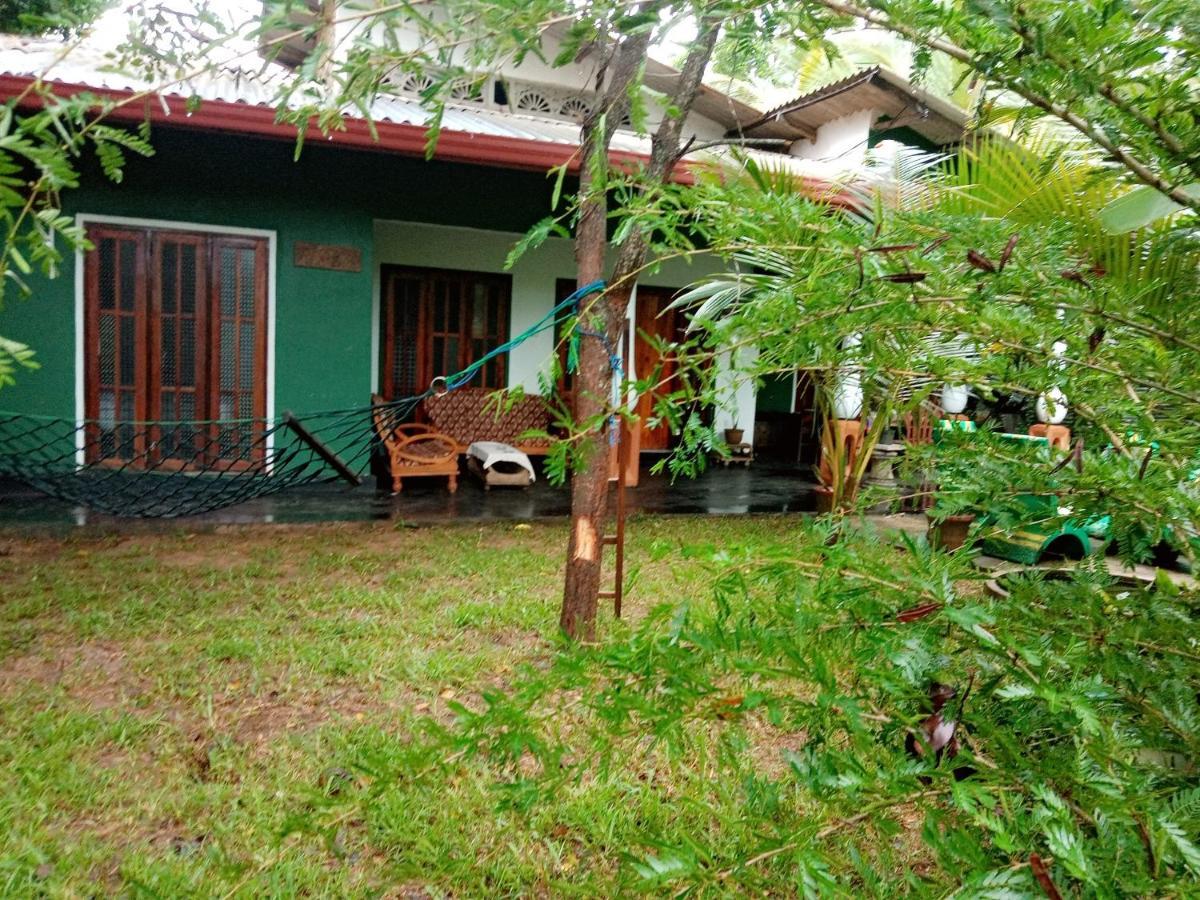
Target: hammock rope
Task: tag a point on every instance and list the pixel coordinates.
(167, 469)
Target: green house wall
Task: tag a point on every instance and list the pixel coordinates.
(323, 318)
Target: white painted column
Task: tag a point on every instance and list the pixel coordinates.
(954, 398)
(627, 359)
(737, 398)
(847, 386)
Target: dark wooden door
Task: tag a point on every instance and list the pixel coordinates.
(436, 322)
(178, 327)
(238, 340)
(175, 330)
(117, 350)
(654, 320)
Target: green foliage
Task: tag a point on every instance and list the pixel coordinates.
(794, 686)
(40, 155)
(12, 357)
(1121, 75)
(808, 65)
(1140, 207)
(41, 16)
(994, 273)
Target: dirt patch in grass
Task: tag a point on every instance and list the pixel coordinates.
(97, 676)
(201, 557)
(94, 673)
(771, 747)
(19, 551)
(257, 721)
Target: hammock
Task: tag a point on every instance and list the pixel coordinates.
(166, 469)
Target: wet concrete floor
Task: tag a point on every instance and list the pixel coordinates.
(759, 488)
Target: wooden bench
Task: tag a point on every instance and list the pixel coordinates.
(469, 414)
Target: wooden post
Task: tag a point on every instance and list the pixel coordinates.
(617, 540)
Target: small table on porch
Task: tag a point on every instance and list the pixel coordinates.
(739, 454)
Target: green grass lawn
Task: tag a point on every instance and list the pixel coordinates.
(171, 701)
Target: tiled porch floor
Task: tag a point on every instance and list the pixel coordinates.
(763, 487)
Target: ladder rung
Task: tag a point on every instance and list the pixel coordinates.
(607, 595)
(609, 540)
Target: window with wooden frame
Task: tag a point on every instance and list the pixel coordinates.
(436, 322)
(175, 334)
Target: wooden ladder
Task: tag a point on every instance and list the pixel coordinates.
(617, 540)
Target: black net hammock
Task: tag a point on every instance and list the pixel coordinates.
(167, 469)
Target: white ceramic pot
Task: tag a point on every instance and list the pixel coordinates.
(848, 396)
(1051, 407)
(954, 398)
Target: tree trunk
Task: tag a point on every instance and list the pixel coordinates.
(593, 388)
(606, 315)
(589, 485)
(602, 314)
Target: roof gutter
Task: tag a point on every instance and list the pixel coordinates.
(260, 121)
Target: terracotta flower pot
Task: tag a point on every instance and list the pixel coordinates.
(951, 532)
(734, 436)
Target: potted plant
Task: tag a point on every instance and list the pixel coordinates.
(948, 531)
(950, 518)
(734, 435)
(844, 464)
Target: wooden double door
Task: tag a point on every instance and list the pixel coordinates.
(175, 334)
(655, 321)
(436, 322)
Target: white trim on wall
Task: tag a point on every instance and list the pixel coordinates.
(80, 395)
(376, 315)
(82, 220)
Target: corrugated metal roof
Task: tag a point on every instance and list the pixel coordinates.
(874, 88)
(823, 92)
(84, 63)
(260, 85)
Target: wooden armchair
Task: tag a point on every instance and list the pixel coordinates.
(414, 450)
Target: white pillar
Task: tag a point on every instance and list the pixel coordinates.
(736, 398)
(847, 385)
(954, 398)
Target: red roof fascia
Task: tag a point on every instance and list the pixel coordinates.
(408, 140)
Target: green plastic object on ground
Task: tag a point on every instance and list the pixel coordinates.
(1045, 534)
(1030, 543)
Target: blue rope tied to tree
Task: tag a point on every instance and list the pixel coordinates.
(614, 362)
(571, 302)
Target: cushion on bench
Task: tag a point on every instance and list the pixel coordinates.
(469, 414)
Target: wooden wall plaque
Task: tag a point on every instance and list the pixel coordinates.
(337, 257)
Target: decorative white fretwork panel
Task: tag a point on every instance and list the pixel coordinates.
(508, 94)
